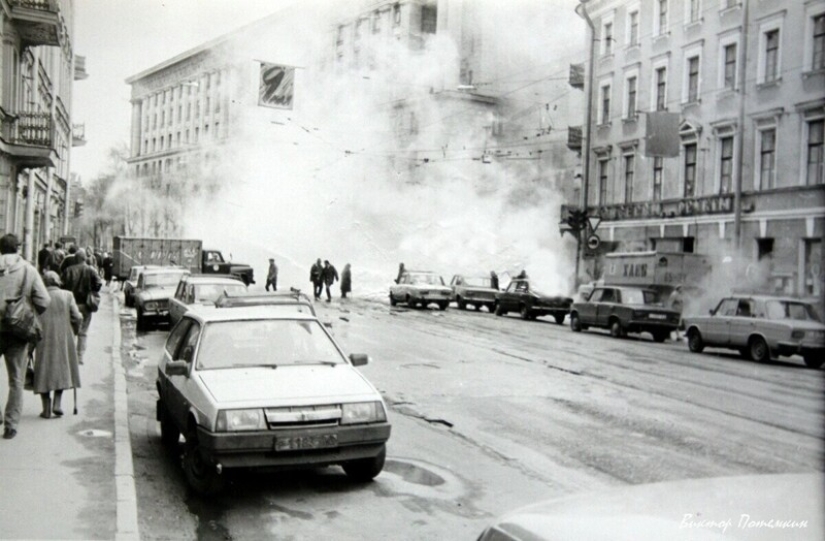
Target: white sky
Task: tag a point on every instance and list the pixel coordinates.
(120, 38)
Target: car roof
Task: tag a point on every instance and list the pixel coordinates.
(212, 279)
(166, 270)
(758, 297)
(212, 314)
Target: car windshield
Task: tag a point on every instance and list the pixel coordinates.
(426, 279)
(639, 296)
(476, 282)
(265, 342)
(164, 279)
(791, 310)
(210, 292)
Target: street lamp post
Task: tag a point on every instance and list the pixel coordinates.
(581, 10)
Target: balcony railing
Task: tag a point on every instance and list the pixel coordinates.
(574, 138)
(78, 135)
(671, 208)
(80, 68)
(38, 22)
(31, 129)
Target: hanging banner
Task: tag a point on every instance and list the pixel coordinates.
(662, 135)
(276, 86)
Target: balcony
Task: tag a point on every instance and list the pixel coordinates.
(80, 68)
(38, 22)
(78, 135)
(28, 138)
(574, 138)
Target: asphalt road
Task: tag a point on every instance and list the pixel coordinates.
(491, 413)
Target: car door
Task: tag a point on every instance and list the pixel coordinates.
(509, 299)
(180, 390)
(606, 306)
(587, 310)
(743, 324)
(170, 393)
(715, 332)
(176, 303)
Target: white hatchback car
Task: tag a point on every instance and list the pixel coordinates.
(261, 387)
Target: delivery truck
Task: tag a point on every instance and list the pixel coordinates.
(662, 271)
(188, 253)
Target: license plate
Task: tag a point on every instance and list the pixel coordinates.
(298, 443)
(658, 316)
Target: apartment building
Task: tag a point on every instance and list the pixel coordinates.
(38, 68)
(746, 185)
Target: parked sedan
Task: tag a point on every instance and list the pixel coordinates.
(201, 289)
(474, 290)
(261, 387)
(420, 288)
(761, 327)
(522, 297)
(625, 309)
(131, 282)
(154, 289)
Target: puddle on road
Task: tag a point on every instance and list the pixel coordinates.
(415, 478)
(412, 473)
(209, 520)
(95, 433)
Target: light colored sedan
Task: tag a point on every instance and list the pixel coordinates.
(760, 327)
(261, 387)
(474, 290)
(420, 288)
(201, 289)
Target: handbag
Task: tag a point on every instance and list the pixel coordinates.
(93, 301)
(20, 320)
(28, 382)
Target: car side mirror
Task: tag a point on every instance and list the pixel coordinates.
(177, 368)
(359, 359)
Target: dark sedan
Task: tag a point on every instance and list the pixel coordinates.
(625, 310)
(522, 297)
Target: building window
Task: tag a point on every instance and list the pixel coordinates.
(198, 109)
(771, 56)
(661, 89)
(693, 79)
(188, 111)
(690, 170)
(607, 38)
(396, 14)
(819, 43)
(633, 33)
(660, 18)
(629, 166)
(604, 110)
(603, 163)
(429, 17)
(376, 22)
(725, 164)
(816, 159)
(767, 159)
(729, 81)
(812, 283)
(631, 97)
(658, 167)
(694, 11)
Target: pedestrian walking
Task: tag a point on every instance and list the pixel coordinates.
(82, 280)
(58, 255)
(272, 275)
(55, 359)
(69, 260)
(316, 276)
(346, 281)
(18, 278)
(676, 302)
(494, 280)
(330, 276)
(107, 265)
(401, 271)
(44, 258)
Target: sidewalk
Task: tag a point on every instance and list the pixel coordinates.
(72, 477)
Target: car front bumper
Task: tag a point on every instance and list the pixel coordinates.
(257, 449)
(792, 348)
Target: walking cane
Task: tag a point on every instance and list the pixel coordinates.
(75, 400)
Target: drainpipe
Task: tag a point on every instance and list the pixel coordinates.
(581, 10)
(740, 147)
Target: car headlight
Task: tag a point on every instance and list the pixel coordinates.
(797, 334)
(363, 412)
(150, 306)
(239, 420)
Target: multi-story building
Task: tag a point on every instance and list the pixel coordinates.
(38, 67)
(747, 183)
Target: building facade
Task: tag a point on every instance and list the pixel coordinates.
(746, 79)
(38, 68)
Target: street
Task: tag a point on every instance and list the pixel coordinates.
(491, 413)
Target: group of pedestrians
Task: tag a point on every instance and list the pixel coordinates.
(49, 327)
(324, 275)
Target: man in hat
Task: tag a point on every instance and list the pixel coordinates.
(272, 275)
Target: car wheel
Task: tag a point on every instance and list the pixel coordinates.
(559, 318)
(616, 330)
(491, 307)
(477, 307)
(660, 336)
(169, 433)
(410, 302)
(813, 361)
(460, 303)
(393, 302)
(199, 468)
(366, 469)
(575, 323)
(499, 310)
(745, 353)
(443, 305)
(759, 350)
(695, 342)
(525, 312)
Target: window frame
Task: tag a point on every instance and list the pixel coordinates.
(806, 172)
(633, 9)
(767, 25)
(628, 174)
(661, 17)
(627, 112)
(813, 12)
(723, 159)
(603, 164)
(694, 169)
(726, 41)
(657, 179)
(605, 97)
(759, 154)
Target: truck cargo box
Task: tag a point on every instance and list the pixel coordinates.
(129, 251)
(657, 270)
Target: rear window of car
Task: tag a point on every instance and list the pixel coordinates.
(790, 310)
(426, 279)
(210, 292)
(162, 279)
(266, 342)
(476, 282)
(639, 296)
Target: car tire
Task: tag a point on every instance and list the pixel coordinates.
(660, 336)
(199, 469)
(169, 433)
(759, 350)
(410, 302)
(559, 319)
(525, 312)
(499, 311)
(491, 307)
(393, 302)
(366, 469)
(813, 361)
(616, 330)
(695, 342)
(443, 305)
(575, 323)
(745, 353)
(460, 303)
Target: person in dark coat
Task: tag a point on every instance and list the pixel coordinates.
(401, 271)
(17, 276)
(81, 279)
(44, 257)
(494, 280)
(316, 276)
(58, 255)
(55, 360)
(330, 276)
(107, 265)
(69, 260)
(346, 281)
(272, 275)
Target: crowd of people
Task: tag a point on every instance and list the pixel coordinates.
(324, 275)
(45, 314)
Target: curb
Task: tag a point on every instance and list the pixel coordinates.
(127, 517)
